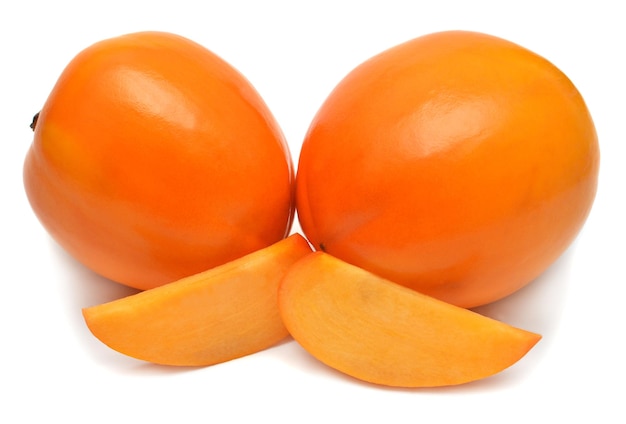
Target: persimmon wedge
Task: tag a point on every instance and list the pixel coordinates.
(215, 316)
(383, 333)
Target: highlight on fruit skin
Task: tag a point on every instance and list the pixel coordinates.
(215, 316)
(154, 159)
(380, 332)
(458, 164)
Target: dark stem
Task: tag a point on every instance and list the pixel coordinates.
(34, 123)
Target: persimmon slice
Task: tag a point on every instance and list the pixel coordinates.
(221, 314)
(380, 332)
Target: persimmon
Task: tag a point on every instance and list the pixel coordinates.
(204, 319)
(154, 159)
(457, 164)
(378, 331)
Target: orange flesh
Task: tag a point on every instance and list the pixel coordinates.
(221, 314)
(380, 332)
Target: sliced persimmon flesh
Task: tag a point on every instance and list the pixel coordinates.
(383, 333)
(221, 314)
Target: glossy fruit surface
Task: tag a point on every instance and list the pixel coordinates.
(457, 164)
(154, 159)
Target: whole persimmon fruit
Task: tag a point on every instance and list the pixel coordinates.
(154, 159)
(458, 164)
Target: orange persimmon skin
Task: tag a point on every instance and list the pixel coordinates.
(154, 159)
(457, 164)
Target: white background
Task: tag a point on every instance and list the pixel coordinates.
(294, 53)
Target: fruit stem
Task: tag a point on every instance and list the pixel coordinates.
(34, 123)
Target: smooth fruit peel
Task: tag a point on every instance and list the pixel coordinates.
(458, 164)
(154, 159)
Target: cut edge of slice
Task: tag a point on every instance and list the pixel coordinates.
(211, 317)
(380, 332)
